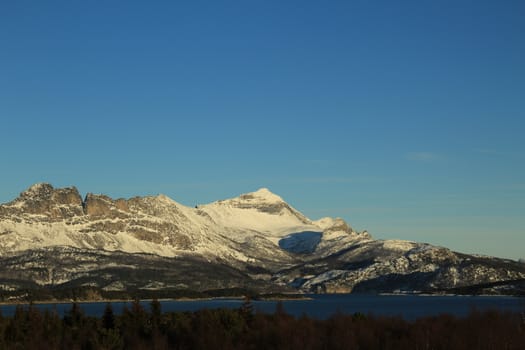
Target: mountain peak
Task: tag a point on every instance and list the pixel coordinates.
(38, 189)
(52, 204)
(46, 191)
(264, 194)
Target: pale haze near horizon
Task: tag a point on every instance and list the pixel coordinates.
(406, 119)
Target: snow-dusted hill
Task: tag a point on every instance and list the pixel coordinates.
(256, 234)
(240, 229)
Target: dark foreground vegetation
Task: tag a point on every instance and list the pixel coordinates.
(139, 328)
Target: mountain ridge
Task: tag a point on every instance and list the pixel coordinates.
(268, 242)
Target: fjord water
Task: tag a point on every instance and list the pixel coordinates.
(322, 306)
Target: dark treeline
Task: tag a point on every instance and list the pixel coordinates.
(140, 328)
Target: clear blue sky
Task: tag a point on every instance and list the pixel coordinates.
(406, 118)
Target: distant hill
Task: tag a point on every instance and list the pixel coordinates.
(53, 238)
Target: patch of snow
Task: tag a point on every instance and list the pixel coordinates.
(246, 220)
(327, 276)
(399, 245)
(325, 223)
(115, 286)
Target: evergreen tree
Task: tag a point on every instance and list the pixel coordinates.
(156, 312)
(74, 317)
(16, 329)
(279, 309)
(108, 318)
(247, 309)
(52, 328)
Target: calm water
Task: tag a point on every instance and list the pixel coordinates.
(323, 306)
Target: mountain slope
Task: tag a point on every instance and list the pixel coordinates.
(255, 239)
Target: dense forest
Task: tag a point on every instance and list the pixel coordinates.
(149, 328)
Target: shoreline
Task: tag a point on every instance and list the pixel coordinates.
(238, 298)
(183, 299)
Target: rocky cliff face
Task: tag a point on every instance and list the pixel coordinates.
(44, 203)
(255, 239)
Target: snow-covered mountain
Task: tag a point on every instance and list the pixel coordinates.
(255, 240)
